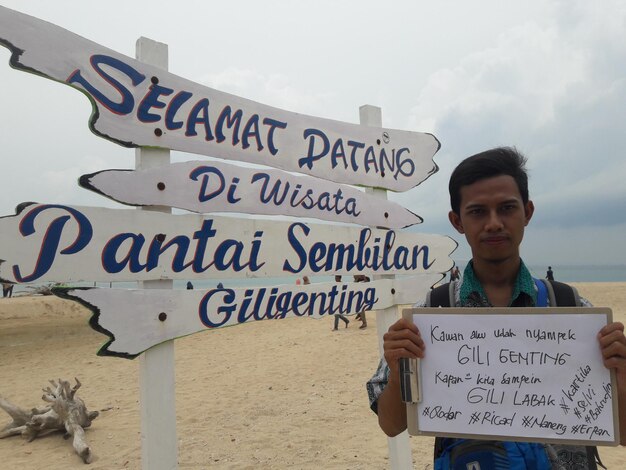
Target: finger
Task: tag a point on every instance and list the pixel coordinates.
(614, 349)
(615, 362)
(394, 355)
(610, 337)
(402, 335)
(404, 324)
(404, 347)
(610, 328)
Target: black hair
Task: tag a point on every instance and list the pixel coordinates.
(488, 164)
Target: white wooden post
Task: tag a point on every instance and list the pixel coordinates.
(399, 448)
(156, 367)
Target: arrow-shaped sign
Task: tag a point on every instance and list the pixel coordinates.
(57, 243)
(221, 187)
(136, 320)
(136, 104)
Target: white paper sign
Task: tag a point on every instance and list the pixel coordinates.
(517, 376)
(142, 105)
(221, 187)
(136, 320)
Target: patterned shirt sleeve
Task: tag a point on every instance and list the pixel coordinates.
(378, 382)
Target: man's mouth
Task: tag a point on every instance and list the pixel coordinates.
(495, 240)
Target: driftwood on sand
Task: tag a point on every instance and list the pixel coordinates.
(65, 412)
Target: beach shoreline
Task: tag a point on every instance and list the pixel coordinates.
(285, 394)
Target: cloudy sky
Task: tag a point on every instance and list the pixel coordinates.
(548, 77)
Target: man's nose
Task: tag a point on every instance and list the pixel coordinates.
(494, 222)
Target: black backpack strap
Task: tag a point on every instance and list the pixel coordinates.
(438, 447)
(441, 296)
(593, 458)
(562, 295)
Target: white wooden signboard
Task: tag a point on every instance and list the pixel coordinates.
(137, 104)
(532, 374)
(221, 187)
(136, 320)
(57, 243)
(141, 105)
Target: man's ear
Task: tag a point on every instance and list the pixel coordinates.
(455, 220)
(529, 210)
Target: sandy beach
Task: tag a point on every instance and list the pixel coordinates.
(281, 394)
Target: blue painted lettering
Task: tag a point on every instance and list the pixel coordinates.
(228, 254)
(371, 157)
(251, 129)
(199, 115)
(312, 157)
(225, 308)
(230, 121)
(181, 98)
(379, 256)
(248, 133)
(273, 125)
(279, 191)
(131, 259)
(160, 245)
(231, 191)
(128, 102)
(337, 153)
(268, 303)
(206, 172)
(353, 156)
(52, 238)
(151, 100)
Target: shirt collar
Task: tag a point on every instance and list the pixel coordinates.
(472, 291)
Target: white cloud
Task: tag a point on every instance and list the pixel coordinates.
(549, 89)
(523, 77)
(274, 89)
(546, 76)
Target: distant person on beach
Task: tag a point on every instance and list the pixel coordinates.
(189, 285)
(361, 315)
(490, 206)
(339, 316)
(7, 289)
(550, 274)
(306, 281)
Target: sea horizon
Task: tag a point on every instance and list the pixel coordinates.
(583, 273)
(562, 272)
(579, 272)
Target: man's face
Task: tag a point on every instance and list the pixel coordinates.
(492, 216)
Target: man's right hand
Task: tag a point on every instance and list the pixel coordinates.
(403, 339)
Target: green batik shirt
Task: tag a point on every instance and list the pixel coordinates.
(472, 293)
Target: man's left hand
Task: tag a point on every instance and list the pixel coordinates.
(613, 347)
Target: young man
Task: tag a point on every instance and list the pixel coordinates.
(491, 207)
